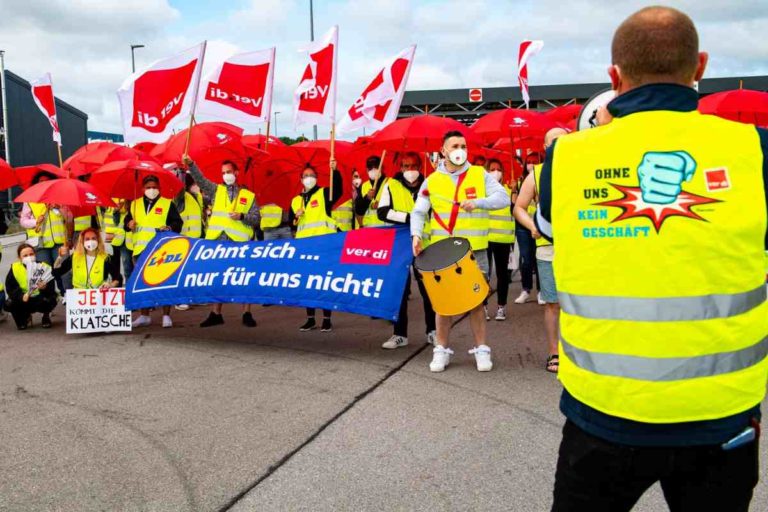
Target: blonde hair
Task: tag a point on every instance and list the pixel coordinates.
(80, 247)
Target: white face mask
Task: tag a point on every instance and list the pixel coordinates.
(90, 245)
(458, 156)
(411, 176)
(151, 193)
(28, 260)
(55, 211)
(309, 182)
(357, 182)
(496, 175)
(373, 174)
(230, 178)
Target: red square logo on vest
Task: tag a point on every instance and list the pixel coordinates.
(717, 179)
(243, 200)
(314, 204)
(159, 211)
(368, 246)
(471, 193)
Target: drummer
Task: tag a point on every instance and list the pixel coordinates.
(460, 197)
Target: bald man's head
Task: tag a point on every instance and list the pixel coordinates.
(552, 134)
(657, 44)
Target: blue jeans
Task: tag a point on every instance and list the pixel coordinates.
(527, 247)
(283, 233)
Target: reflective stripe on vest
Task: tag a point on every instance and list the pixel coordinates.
(52, 231)
(147, 223)
(271, 216)
(192, 215)
(81, 278)
(443, 193)
(314, 221)
(541, 241)
(343, 215)
(371, 217)
(664, 324)
(236, 230)
(82, 223)
(501, 224)
(112, 229)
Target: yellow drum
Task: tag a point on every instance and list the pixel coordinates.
(453, 279)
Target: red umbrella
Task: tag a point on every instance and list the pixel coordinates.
(25, 175)
(564, 113)
(123, 178)
(209, 145)
(513, 122)
(66, 192)
(743, 105)
(7, 178)
(144, 147)
(420, 134)
(92, 156)
(259, 141)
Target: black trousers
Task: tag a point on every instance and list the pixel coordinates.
(595, 475)
(21, 311)
(498, 256)
(401, 326)
(311, 313)
(527, 247)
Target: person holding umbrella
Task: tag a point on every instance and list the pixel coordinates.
(146, 216)
(234, 214)
(311, 214)
(27, 285)
(367, 202)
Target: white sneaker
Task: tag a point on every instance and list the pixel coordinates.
(523, 298)
(167, 322)
(540, 300)
(483, 358)
(441, 356)
(141, 321)
(501, 313)
(431, 337)
(395, 342)
(487, 316)
(181, 307)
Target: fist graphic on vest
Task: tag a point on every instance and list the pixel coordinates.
(661, 175)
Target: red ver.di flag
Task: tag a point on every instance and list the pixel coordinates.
(42, 92)
(379, 103)
(315, 98)
(240, 90)
(152, 100)
(527, 50)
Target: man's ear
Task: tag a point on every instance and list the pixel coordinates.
(614, 72)
(703, 60)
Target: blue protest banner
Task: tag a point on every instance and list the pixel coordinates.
(361, 271)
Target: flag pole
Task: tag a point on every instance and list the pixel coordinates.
(194, 97)
(333, 153)
(266, 140)
(61, 161)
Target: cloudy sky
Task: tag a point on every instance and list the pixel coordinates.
(85, 44)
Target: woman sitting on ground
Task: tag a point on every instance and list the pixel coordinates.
(29, 288)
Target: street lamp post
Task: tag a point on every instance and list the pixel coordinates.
(133, 58)
(276, 123)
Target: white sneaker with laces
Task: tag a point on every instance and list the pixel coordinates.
(431, 337)
(395, 342)
(167, 322)
(482, 358)
(501, 313)
(540, 300)
(523, 298)
(441, 356)
(141, 321)
(487, 316)
(181, 307)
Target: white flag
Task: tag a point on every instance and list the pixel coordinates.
(527, 50)
(42, 93)
(315, 98)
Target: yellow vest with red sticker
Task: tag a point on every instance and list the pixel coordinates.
(220, 221)
(314, 220)
(448, 219)
(147, 223)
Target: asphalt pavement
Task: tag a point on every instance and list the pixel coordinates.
(263, 419)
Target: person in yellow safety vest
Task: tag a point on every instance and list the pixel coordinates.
(663, 328)
(397, 201)
(501, 236)
(116, 235)
(89, 263)
(234, 215)
(275, 222)
(29, 288)
(367, 202)
(344, 215)
(460, 197)
(146, 216)
(545, 253)
(311, 214)
(526, 246)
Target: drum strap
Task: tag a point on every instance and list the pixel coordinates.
(454, 208)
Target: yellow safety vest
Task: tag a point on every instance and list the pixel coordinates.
(147, 223)
(402, 201)
(501, 224)
(82, 223)
(371, 218)
(541, 241)
(52, 232)
(192, 215)
(343, 215)
(661, 321)
(111, 228)
(443, 193)
(314, 221)
(20, 274)
(236, 230)
(271, 216)
(81, 277)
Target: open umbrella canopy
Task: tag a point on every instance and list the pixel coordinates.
(743, 105)
(7, 177)
(26, 175)
(564, 113)
(420, 134)
(124, 178)
(93, 155)
(512, 122)
(65, 192)
(144, 147)
(259, 141)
